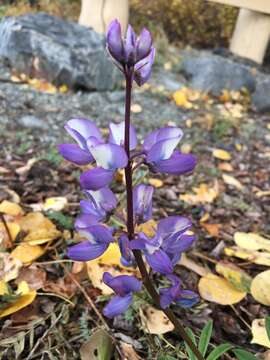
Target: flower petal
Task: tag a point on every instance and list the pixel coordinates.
(110, 156)
(103, 199)
(127, 258)
(179, 244)
(74, 154)
(172, 227)
(162, 150)
(167, 132)
(143, 68)
(115, 41)
(117, 135)
(98, 233)
(117, 305)
(160, 262)
(177, 164)
(143, 44)
(86, 251)
(95, 179)
(82, 129)
(130, 43)
(122, 284)
(142, 202)
(83, 221)
(187, 298)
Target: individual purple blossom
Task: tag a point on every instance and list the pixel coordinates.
(127, 257)
(143, 69)
(98, 240)
(161, 156)
(164, 249)
(142, 203)
(184, 298)
(123, 286)
(96, 207)
(117, 135)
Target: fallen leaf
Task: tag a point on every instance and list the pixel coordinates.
(25, 297)
(260, 288)
(136, 108)
(99, 347)
(212, 229)
(256, 257)
(186, 148)
(259, 333)
(203, 194)
(216, 289)
(62, 286)
(155, 321)
(192, 265)
(157, 183)
(42, 236)
(261, 194)
(221, 154)
(55, 203)
(181, 99)
(235, 275)
(129, 352)
(148, 228)
(24, 169)
(35, 220)
(251, 241)
(225, 166)
(33, 276)
(9, 267)
(111, 256)
(10, 208)
(14, 230)
(232, 181)
(27, 253)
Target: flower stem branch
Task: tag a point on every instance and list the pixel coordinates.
(130, 224)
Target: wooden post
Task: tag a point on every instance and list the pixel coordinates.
(251, 35)
(99, 13)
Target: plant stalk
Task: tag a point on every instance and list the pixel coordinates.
(130, 224)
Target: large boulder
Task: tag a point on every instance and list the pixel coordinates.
(261, 96)
(214, 73)
(62, 52)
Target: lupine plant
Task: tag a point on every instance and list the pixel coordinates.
(134, 57)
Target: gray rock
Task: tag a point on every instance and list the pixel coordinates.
(213, 73)
(169, 80)
(261, 96)
(62, 52)
(32, 122)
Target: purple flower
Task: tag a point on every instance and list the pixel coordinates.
(131, 49)
(142, 202)
(98, 240)
(123, 286)
(184, 298)
(161, 155)
(117, 135)
(96, 207)
(164, 250)
(127, 257)
(143, 68)
(95, 179)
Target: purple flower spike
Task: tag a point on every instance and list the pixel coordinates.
(142, 202)
(123, 286)
(95, 179)
(74, 154)
(144, 44)
(184, 298)
(117, 135)
(114, 41)
(143, 68)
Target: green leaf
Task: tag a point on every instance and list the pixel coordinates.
(205, 337)
(98, 347)
(267, 325)
(166, 357)
(218, 351)
(191, 356)
(243, 355)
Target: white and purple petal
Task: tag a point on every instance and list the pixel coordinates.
(143, 44)
(95, 179)
(83, 221)
(162, 150)
(110, 156)
(142, 202)
(143, 68)
(82, 129)
(75, 154)
(114, 41)
(117, 135)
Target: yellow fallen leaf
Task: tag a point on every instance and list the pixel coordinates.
(27, 253)
(42, 236)
(10, 208)
(260, 288)
(63, 89)
(13, 228)
(259, 333)
(225, 166)
(111, 256)
(25, 298)
(157, 183)
(205, 217)
(212, 229)
(155, 321)
(186, 148)
(260, 194)
(235, 275)
(189, 123)
(9, 267)
(221, 154)
(251, 241)
(180, 98)
(55, 203)
(34, 221)
(148, 228)
(215, 289)
(203, 194)
(192, 265)
(3, 288)
(256, 257)
(230, 180)
(136, 108)
(238, 147)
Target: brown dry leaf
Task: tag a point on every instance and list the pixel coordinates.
(62, 286)
(216, 289)
(10, 208)
(148, 228)
(221, 154)
(232, 181)
(27, 253)
(9, 267)
(155, 321)
(212, 229)
(256, 257)
(192, 265)
(24, 169)
(235, 275)
(251, 241)
(34, 276)
(99, 346)
(203, 194)
(157, 183)
(260, 288)
(225, 166)
(259, 333)
(129, 352)
(25, 297)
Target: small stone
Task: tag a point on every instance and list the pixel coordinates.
(32, 122)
